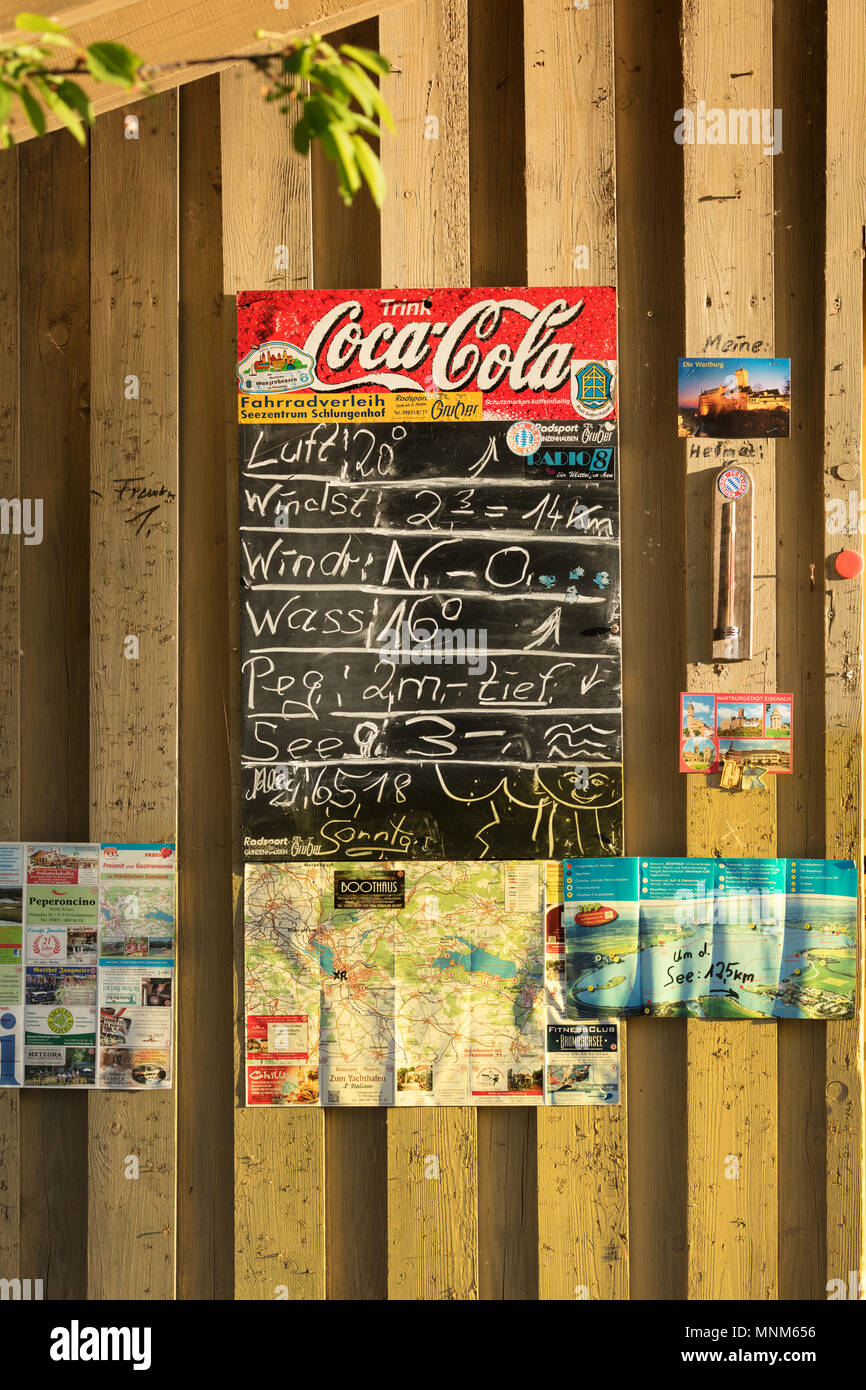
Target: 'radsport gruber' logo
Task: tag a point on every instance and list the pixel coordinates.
(275, 367)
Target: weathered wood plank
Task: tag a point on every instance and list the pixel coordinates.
(10, 658)
(205, 1051)
(843, 599)
(432, 1220)
(165, 33)
(133, 712)
(279, 1157)
(54, 250)
(651, 322)
(507, 1179)
(571, 239)
(732, 1093)
(497, 150)
(799, 56)
(346, 256)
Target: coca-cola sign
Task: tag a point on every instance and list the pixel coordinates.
(511, 353)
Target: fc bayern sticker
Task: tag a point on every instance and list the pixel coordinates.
(593, 386)
(733, 483)
(523, 438)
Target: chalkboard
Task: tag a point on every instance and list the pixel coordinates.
(430, 644)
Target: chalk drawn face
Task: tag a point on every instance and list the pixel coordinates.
(599, 790)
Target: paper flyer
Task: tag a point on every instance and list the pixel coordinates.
(86, 965)
(11, 965)
(711, 938)
(60, 990)
(582, 1064)
(136, 965)
(439, 1002)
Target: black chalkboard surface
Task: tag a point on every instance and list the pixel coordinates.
(430, 647)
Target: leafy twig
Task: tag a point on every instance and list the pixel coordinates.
(340, 105)
(25, 74)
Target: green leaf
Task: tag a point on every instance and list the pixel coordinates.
(329, 77)
(338, 147)
(374, 62)
(298, 63)
(382, 108)
(57, 40)
(360, 86)
(113, 62)
(7, 139)
(59, 108)
(301, 137)
(5, 102)
(346, 157)
(360, 122)
(35, 114)
(72, 94)
(28, 53)
(368, 163)
(37, 24)
(317, 117)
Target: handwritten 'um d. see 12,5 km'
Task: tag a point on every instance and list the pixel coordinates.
(431, 647)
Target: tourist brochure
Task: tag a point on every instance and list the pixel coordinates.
(86, 965)
(752, 733)
(710, 938)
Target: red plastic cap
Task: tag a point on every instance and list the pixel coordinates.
(849, 563)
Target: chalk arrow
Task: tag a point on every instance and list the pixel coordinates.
(548, 630)
(587, 682)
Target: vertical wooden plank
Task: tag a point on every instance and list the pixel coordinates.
(497, 150)
(507, 1178)
(651, 319)
(54, 252)
(432, 1222)
(732, 1093)
(346, 256)
(133, 713)
(279, 1158)
(799, 57)
(571, 239)
(205, 1055)
(10, 662)
(843, 617)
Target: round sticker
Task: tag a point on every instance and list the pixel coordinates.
(60, 1020)
(733, 483)
(523, 438)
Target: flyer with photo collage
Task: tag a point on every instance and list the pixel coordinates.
(86, 965)
(582, 1059)
(136, 965)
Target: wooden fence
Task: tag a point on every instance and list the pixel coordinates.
(535, 145)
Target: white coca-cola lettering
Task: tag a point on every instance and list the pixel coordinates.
(392, 359)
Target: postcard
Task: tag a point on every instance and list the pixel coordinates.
(734, 397)
(751, 734)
